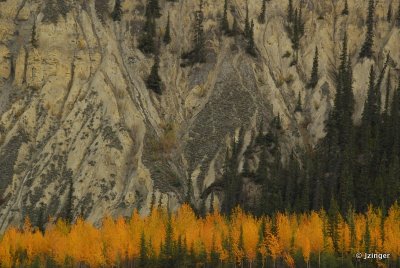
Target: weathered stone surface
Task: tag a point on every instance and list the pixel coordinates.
(75, 109)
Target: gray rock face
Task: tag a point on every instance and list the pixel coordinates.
(81, 134)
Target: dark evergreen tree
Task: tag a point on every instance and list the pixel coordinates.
(251, 48)
(143, 256)
(345, 10)
(199, 38)
(168, 258)
(300, 22)
(367, 47)
(146, 41)
(295, 33)
(233, 182)
(167, 35)
(387, 95)
(212, 203)
(398, 16)
(261, 17)
(63, 8)
(34, 39)
(333, 223)
(117, 12)
(261, 240)
(153, 9)
(346, 189)
(367, 237)
(262, 170)
(371, 114)
(224, 21)
(314, 72)
(153, 201)
(189, 192)
(154, 81)
(389, 13)
(299, 107)
(214, 255)
(50, 14)
(290, 12)
(235, 27)
(247, 26)
(70, 201)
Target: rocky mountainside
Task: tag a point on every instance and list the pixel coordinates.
(81, 134)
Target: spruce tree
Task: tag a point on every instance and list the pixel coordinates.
(235, 27)
(346, 184)
(345, 10)
(34, 40)
(146, 40)
(389, 13)
(398, 16)
(247, 27)
(167, 35)
(143, 258)
(388, 87)
(214, 255)
(168, 259)
(295, 33)
(153, 201)
(199, 38)
(117, 13)
(261, 17)
(298, 105)
(153, 9)
(70, 202)
(367, 237)
(250, 42)
(333, 223)
(189, 192)
(300, 22)
(367, 47)
(314, 73)
(224, 21)
(371, 113)
(290, 12)
(154, 81)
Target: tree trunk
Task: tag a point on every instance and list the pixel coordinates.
(319, 259)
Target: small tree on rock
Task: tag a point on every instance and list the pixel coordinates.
(117, 13)
(299, 106)
(34, 40)
(366, 49)
(251, 49)
(314, 73)
(389, 13)
(224, 21)
(167, 35)
(345, 10)
(261, 18)
(154, 81)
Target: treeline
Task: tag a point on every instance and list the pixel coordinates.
(353, 166)
(316, 239)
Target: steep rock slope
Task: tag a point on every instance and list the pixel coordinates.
(81, 133)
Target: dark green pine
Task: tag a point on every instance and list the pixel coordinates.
(224, 21)
(367, 47)
(261, 17)
(117, 13)
(154, 81)
(314, 72)
(167, 35)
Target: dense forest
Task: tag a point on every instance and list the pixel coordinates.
(355, 165)
(163, 239)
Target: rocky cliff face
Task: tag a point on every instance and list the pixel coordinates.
(80, 132)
